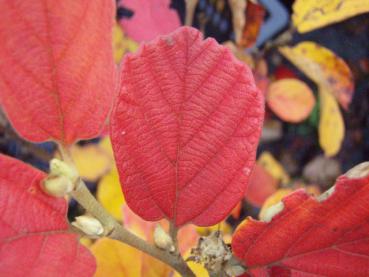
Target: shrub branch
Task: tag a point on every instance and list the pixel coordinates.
(116, 231)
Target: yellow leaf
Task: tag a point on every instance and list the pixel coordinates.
(105, 144)
(223, 226)
(272, 200)
(323, 67)
(109, 194)
(291, 99)
(273, 167)
(196, 268)
(331, 125)
(121, 43)
(312, 14)
(85, 241)
(117, 259)
(91, 161)
(114, 258)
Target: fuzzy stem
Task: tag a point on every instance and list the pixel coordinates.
(114, 230)
(173, 232)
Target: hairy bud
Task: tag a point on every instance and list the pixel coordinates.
(89, 225)
(60, 168)
(57, 186)
(162, 239)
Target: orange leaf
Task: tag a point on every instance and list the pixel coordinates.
(254, 19)
(291, 99)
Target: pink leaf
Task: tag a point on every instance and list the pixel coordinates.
(185, 129)
(56, 67)
(150, 19)
(34, 236)
(327, 236)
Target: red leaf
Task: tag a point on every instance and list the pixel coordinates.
(34, 237)
(56, 67)
(283, 72)
(261, 186)
(149, 20)
(185, 129)
(327, 236)
(254, 19)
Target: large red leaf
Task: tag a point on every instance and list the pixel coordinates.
(149, 19)
(34, 237)
(185, 129)
(56, 67)
(311, 237)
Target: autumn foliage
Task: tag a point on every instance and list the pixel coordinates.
(185, 117)
(192, 126)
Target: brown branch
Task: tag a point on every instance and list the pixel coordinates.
(116, 231)
(190, 11)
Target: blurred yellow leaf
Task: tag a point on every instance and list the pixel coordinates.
(312, 14)
(121, 43)
(114, 258)
(290, 99)
(105, 144)
(91, 161)
(313, 190)
(196, 268)
(85, 241)
(273, 199)
(223, 226)
(323, 67)
(331, 125)
(273, 167)
(109, 194)
(117, 259)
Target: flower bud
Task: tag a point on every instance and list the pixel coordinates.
(162, 239)
(57, 186)
(60, 168)
(89, 225)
